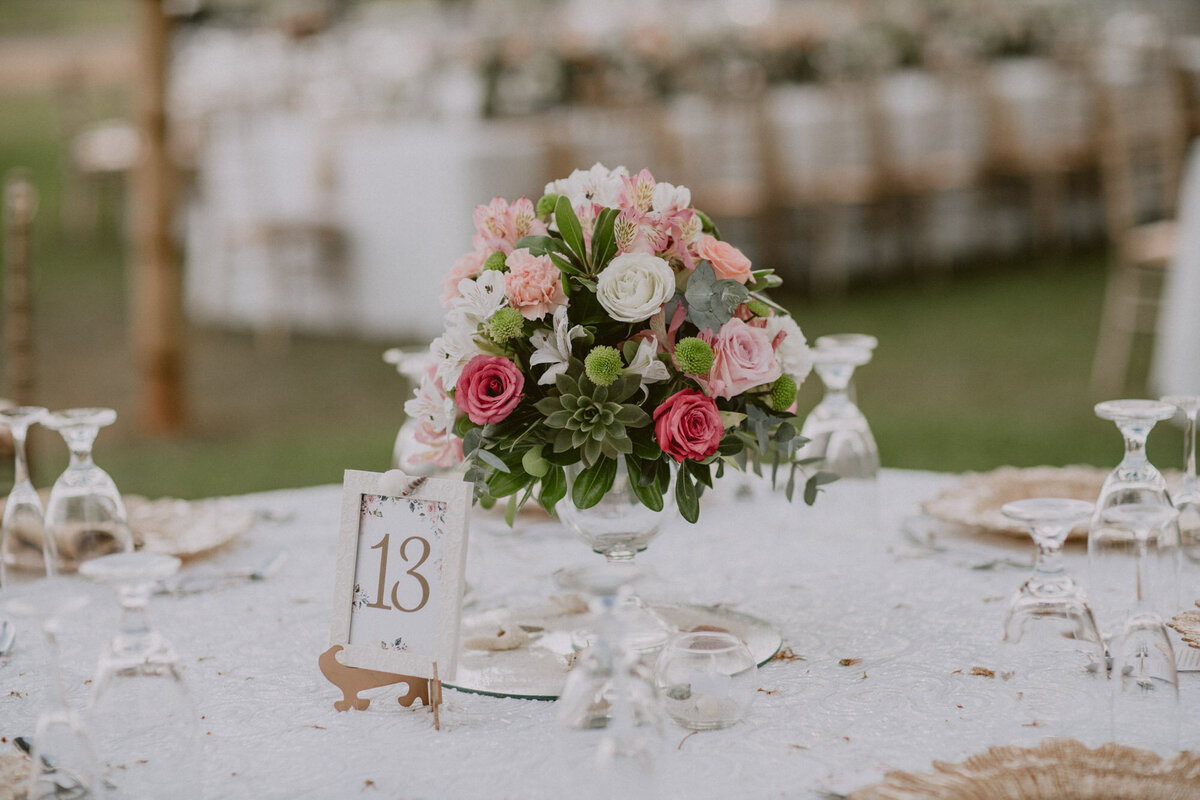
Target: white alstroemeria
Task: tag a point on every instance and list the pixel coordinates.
(645, 363)
(793, 352)
(596, 185)
(431, 405)
(454, 348)
(669, 197)
(480, 298)
(554, 347)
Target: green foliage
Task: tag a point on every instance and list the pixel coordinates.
(591, 419)
(545, 206)
(711, 302)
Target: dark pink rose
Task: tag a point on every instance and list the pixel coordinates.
(687, 425)
(488, 389)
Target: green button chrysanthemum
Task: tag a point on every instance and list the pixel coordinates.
(603, 365)
(505, 324)
(693, 356)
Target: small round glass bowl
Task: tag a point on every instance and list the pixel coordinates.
(707, 679)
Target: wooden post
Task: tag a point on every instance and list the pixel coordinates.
(157, 295)
(20, 206)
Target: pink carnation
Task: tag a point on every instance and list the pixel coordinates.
(745, 358)
(688, 425)
(499, 226)
(727, 261)
(489, 388)
(533, 285)
(469, 266)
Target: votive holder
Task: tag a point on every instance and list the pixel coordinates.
(707, 679)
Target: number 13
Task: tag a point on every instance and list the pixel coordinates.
(380, 602)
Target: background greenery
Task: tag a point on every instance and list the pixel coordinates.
(984, 368)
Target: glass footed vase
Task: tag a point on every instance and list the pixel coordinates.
(618, 528)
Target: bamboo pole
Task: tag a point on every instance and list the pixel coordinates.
(157, 297)
(20, 207)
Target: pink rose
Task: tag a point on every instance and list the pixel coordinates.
(727, 261)
(687, 425)
(533, 285)
(744, 359)
(489, 388)
(469, 266)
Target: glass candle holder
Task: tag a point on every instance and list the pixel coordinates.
(707, 679)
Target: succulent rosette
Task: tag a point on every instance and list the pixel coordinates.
(610, 322)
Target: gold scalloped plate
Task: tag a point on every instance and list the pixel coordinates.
(186, 528)
(1054, 770)
(1187, 625)
(976, 500)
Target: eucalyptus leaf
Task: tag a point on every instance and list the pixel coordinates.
(492, 460)
(711, 302)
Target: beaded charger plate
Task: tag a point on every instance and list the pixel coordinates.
(1054, 770)
(526, 652)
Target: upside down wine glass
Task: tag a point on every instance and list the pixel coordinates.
(1187, 497)
(25, 550)
(839, 434)
(141, 714)
(1113, 560)
(610, 688)
(1052, 655)
(864, 341)
(63, 763)
(85, 515)
(1145, 690)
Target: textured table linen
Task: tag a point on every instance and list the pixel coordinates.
(919, 621)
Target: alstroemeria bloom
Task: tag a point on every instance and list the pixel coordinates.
(467, 266)
(479, 299)
(499, 226)
(553, 347)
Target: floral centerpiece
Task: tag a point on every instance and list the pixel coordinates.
(610, 323)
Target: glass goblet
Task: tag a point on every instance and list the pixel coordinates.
(25, 550)
(618, 528)
(1052, 654)
(63, 761)
(85, 515)
(609, 687)
(1187, 496)
(839, 434)
(861, 340)
(1111, 548)
(141, 713)
(1145, 699)
(706, 679)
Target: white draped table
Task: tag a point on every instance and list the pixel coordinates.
(915, 623)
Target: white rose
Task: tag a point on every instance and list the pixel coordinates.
(634, 286)
(793, 353)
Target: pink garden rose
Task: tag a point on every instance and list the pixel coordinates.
(727, 261)
(745, 358)
(469, 266)
(489, 388)
(687, 425)
(533, 285)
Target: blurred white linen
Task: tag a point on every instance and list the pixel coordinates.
(1175, 368)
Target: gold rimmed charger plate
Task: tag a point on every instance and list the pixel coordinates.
(1054, 770)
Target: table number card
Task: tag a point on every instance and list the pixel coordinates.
(401, 560)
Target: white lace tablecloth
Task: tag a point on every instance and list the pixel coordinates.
(918, 621)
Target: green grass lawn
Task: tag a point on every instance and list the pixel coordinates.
(989, 367)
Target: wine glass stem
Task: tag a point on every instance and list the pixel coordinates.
(1135, 447)
(59, 688)
(134, 632)
(21, 469)
(1142, 536)
(1189, 448)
